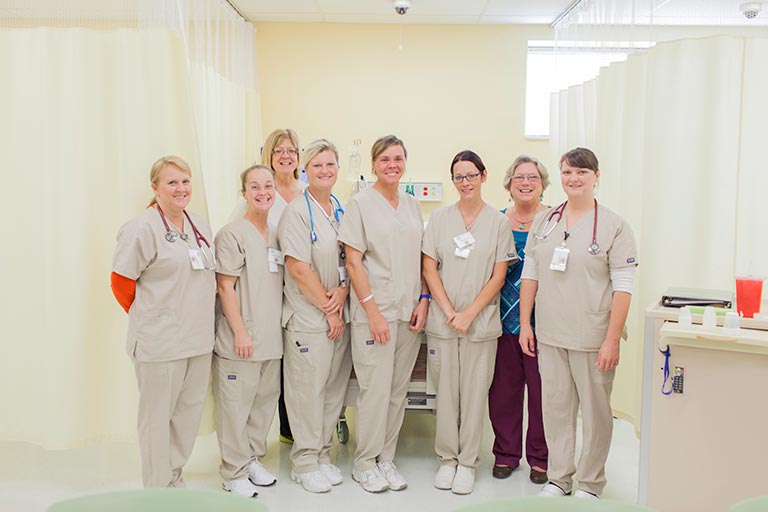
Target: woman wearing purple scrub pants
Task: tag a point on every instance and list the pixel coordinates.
(525, 180)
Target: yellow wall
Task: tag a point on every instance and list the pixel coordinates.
(450, 87)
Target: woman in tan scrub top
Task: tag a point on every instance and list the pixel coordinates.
(163, 275)
(249, 345)
(317, 360)
(579, 269)
(282, 153)
(382, 232)
(466, 249)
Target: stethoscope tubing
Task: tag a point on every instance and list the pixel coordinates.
(337, 209)
(548, 227)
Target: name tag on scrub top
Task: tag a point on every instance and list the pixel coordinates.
(196, 257)
(464, 244)
(343, 276)
(275, 258)
(559, 259)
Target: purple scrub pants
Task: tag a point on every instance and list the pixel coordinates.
(515, 370)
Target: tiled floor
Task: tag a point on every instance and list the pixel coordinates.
(31, 478)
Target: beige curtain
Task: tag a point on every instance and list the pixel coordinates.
(677, 130)
(87, 105)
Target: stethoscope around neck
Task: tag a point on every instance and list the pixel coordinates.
(549, 226)
(171, 235)
(338, 211)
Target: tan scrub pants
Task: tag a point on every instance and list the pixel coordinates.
(383, 372)
(245, 395)
(569, 378)
(171, 397)
(317, 373)
(463, 371)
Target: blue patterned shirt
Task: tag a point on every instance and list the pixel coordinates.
(510, 292)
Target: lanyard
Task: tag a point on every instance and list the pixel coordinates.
(666, 372)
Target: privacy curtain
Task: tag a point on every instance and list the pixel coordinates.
(678, 131)
(85, 110)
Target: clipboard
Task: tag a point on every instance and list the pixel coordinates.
(679, 297)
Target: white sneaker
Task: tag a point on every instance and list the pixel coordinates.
(372, 480)
(444, 477)
(241, 487)
(585, 495)
(312, 481)
(259, 474)
(464, 481)
(395, 479)
(332, 473)
(551, 491)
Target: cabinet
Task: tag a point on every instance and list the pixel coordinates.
(703, 449)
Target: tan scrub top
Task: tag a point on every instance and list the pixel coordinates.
(279, 206)
(172, 314)
(242, 252)
(390, 240)
(324, 257)
(573, 308)
(463, 278)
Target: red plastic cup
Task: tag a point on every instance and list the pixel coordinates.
(749, 293)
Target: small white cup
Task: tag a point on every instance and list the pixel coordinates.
(684, 319)
(732, 322)
(709, 320)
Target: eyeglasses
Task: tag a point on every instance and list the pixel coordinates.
(519, 178)
(281, 152)
(469, 177)
(258, 188)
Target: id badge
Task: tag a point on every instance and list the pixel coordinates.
(343, 276)
(464, 240)
(196, 257)
(275, 258)
(463, 253)
(559, 259)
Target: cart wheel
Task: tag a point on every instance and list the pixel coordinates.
(342, 430)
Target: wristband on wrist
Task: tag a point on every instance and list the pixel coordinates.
(365, 299)
(425, 296)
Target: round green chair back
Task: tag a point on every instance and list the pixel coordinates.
(759, 504)
(160, 500)
(538, 504)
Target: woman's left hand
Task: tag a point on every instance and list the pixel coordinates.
(336, 298)
(608, 355)
(419, 316)
(462, 321)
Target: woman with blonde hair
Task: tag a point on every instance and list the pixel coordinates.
(317, 360)
(282, 154)
(163, 276)
(246, 361)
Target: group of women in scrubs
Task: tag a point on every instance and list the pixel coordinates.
(318, 286)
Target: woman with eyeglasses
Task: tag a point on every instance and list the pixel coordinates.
(579, 270)
(466, 249)
(317, 360)
(282, 154)
(246, 361)
(382, 232)
(525, 181)
(163, 276)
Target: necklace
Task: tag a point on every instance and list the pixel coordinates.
(470, 220)
(521, 223)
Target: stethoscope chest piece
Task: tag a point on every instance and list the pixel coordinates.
(172, 235)
(593, 249)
